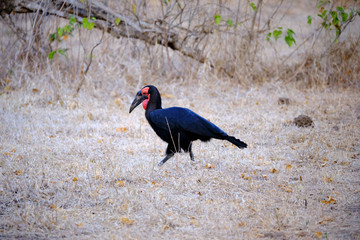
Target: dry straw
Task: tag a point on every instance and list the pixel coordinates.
(79, 166)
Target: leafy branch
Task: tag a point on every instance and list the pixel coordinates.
(277, 33)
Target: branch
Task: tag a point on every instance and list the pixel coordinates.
(159, 32)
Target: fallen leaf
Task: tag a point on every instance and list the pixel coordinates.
(210, 166)
(120, 183)
(156, 184)
(194, 222)
(244, 177)
(127, 221)
(75, 179)
(288, 167)
(318, 234)
(345, 163)
(119, 102)
(288, 189)
(330, 201)
(121, 129)
(18, 172)
(90, 116)
(124, 207)
(72, 105)
(326, 179)
(7, 154)
(274, 170)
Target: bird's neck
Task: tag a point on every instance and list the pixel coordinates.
(154, 102)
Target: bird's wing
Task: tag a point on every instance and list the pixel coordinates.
(183, 119)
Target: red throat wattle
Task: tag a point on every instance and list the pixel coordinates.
(145, 102)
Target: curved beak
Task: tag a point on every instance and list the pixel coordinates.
(139, 98)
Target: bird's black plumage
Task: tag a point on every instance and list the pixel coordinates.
(179, 127)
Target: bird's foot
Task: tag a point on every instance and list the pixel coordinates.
(167, 157)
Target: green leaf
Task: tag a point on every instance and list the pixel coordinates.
(358, 12)
(268, 36)
(344, 16)
(230, 22)
(290, 32)
(51, 54)
(52, 37)
(117, 21)
(323, 15)
(335, 19)
(91, 25)
(85, 22)
(60, 31)
(93, 18)
(340, 9)
(68, 28)
(72, 20)
(309, 20)
(253, 6)
(217, 19)
(277, 34)
(333, 14)
(320, 4)
(289, 39)
(63, 51)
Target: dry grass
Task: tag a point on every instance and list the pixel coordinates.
(89, 171)
(82, 167)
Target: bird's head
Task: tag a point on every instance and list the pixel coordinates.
(143, 96)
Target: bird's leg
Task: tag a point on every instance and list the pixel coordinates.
(170, 152)
(167, 157)
(191, 153)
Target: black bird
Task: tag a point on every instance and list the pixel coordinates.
(179, 127)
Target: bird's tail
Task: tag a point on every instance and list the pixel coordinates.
(237, 142)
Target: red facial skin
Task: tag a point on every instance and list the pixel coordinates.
(145, 91)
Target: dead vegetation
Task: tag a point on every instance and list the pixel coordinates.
(80, 166)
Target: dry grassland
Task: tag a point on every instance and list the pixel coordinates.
(84, 168)
(81, 167)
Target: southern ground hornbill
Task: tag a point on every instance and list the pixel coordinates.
(179, 127)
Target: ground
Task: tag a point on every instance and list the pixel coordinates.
(83, 168)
